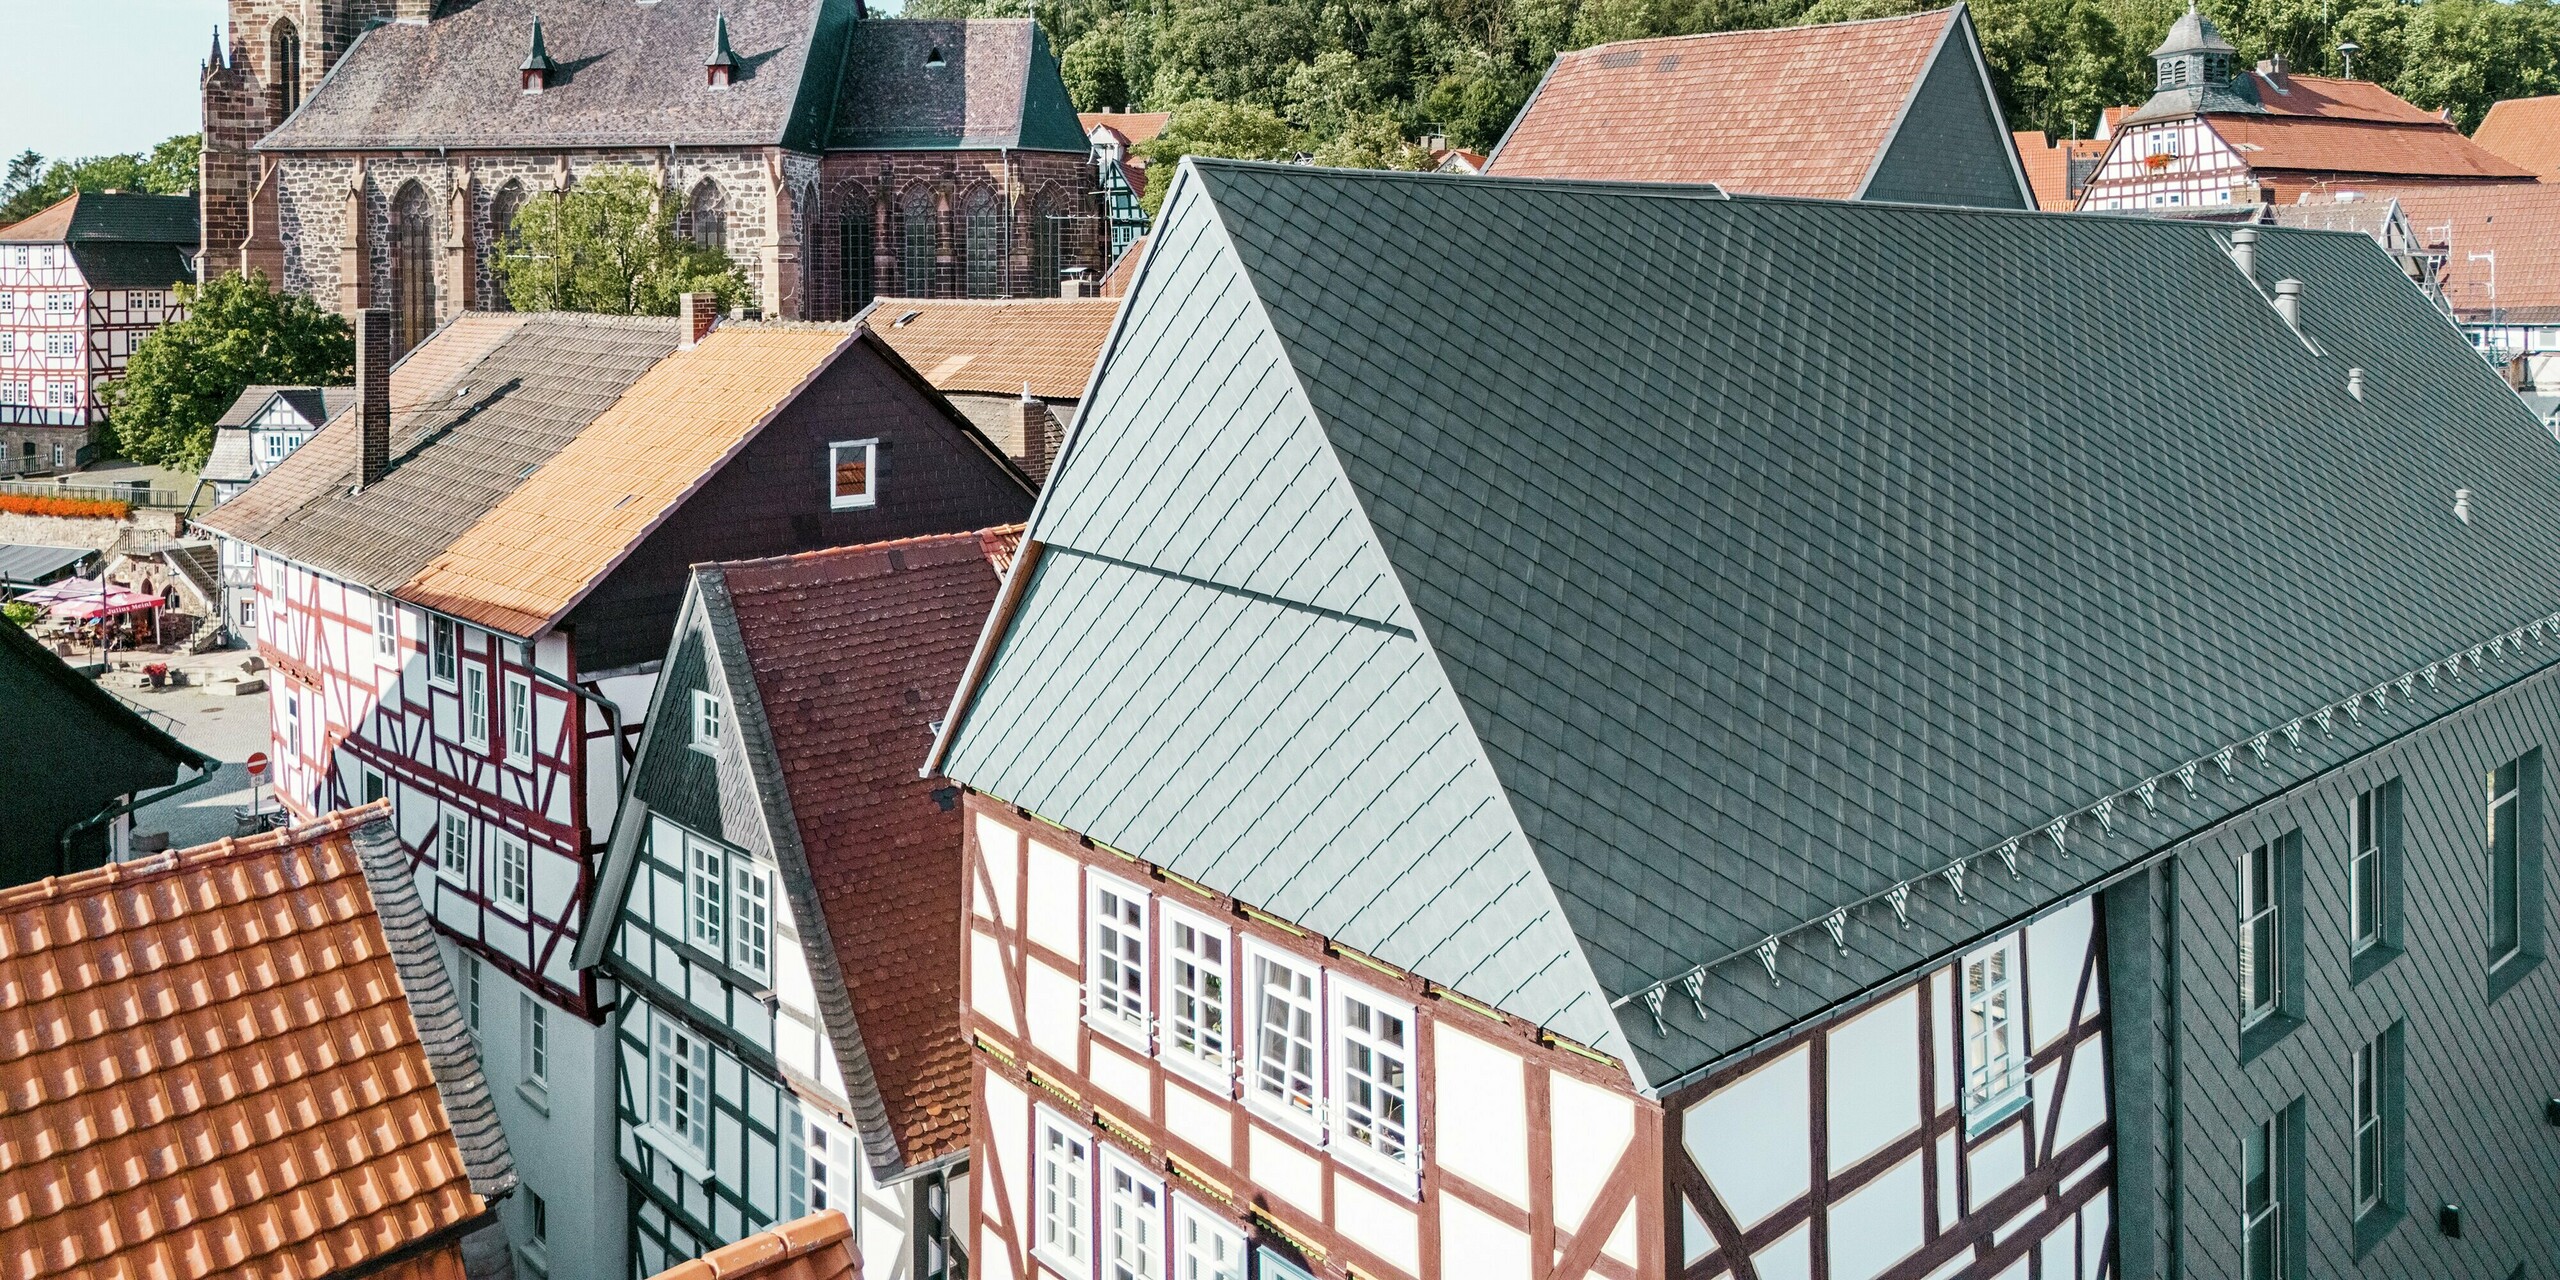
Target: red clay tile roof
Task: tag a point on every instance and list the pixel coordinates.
(1795, 111)
(2048, 164)
(2519, 222)
(1133, 127)
(1116, 281)
(212, 1065)
(854, 653)
(2287, 93)
(2525, 132)
(998, 347)
(2273, 144)
(817, 1247)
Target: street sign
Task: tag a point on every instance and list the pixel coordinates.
(257, 764)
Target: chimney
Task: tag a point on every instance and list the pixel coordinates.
(1034, 455)
(2289, 302)
(2355, 383)
(373, 394)
(2274, 66)
(1074, 284)
(701, 312)
(2244, 252)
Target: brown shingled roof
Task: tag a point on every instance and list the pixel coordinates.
(1133, 127)
(2048, 164)
(2275, 143)
(227, 1061)
(817, 1247)
(2525, 132)
(1793, 111)
(998, 347)
(854, 653)
(2519, 222)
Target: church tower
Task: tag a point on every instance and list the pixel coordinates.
(275, 51)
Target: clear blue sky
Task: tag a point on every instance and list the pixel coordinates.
(93, 77)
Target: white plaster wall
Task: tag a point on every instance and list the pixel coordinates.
(990, 992)
(1286, 1172)
(1051, 911)
(1051, 999)
(1593, 1127)
(1880, 1224)
(1377, 1224)
(1204, 1123)
(1874, 1091)
(1751, 1139)
(1480, 1113)
(1474, 1246)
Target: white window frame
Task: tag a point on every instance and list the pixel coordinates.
(454, 827)
(2267, 1140)
(706, 722)
(870, 495)
(1062, 1193)
(2504, 857)
(1194, 984)
(512, 876)
(680, 1091)
(2256, 954)
(706, 895)
(1205, 1245)
(1309, 1123)
(1133, 1220)
(444, 650)
(817, 1162)
(750, 917)
(517, 693)
(1115, 983)
(386, 629)
(1991, 1033)
(475, 706)
(534, 1023)
(2364, 862)
(471, 996)
(1347, 1044)
(2368, 1159)
(292, 724)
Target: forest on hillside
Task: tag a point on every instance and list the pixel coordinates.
(1355, 81)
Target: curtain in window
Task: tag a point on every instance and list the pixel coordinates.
(985, 246)
(413, 268)
(917, 241)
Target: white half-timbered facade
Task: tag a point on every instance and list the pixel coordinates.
(81, 284)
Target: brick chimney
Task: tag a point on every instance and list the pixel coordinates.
(701, 311)
(1034, 456)
(373, 394)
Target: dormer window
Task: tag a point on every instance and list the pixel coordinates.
(722, 67)
(538, 66)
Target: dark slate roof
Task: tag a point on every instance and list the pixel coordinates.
(135, 266)
(998, 87)
(627, 75)
(94, 749)
(1780, 556)
(27, 564)
(100, 217)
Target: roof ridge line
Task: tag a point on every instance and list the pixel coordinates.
(195, 857)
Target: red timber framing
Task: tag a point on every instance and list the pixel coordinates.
(1885, 1166)
(346, 716)
(63, 340)
(1536, 1158)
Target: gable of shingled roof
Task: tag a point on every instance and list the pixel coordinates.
(998, 86)
(1680, 630)
(2526, 132)
(94, 750)
(331, 1058)
(997, 346)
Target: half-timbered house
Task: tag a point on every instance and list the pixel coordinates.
(780, 910)
(82, 282)
(464, 587)
(1697, 806)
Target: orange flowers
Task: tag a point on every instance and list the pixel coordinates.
(78, 508)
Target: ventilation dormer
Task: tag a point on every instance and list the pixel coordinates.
(722, 69)
(538, 66)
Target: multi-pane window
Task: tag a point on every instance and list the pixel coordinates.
(1285, 1012)
(475, 706)
(814, 1166)
(1205, 1247)
(441, 649)
(2261, 926)
(853, 474)
(706, 722)
(1132, 1223)
(519, 720)
(471, 995)
(1995, 1071)
(1373, 1077)
(706, 916)
(680, 1083)
(2506, 915)
(751, 917)
(939, 1254)
(1195, 996)
(453, 849)
(2369, 1135)
(537, 1042)
(2364, 878)
(386, 626)
(2262, 1200)
(514, 871)
(1060, 1208)
(1116, 967)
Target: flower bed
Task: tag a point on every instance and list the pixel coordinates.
(75, 508)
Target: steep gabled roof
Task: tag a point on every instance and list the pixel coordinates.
(929, 84)
(2516, 224)
(93, 750)
(109, 217)
(1807, 111)
(1678, 631)
(2274, 144)
(626, 75)
(1131, 127)
(243, 1060)
(998, 347)
(2525, 132)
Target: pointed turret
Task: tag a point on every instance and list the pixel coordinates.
(215, 61)
(538, 66)
(723, 66)
(2194, 73)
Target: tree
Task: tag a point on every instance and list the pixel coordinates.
(1371, 142)
(1205, 127)
(609, 244)
(185, 374)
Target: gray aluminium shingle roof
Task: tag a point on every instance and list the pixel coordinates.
(134, 265)
(996, 85)
(1781, 554)
(26, 564)
(627, 75)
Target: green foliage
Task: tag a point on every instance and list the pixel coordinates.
(238, 332)
(21, 616)
(32, 183)
(1209, 128)
(609, 244)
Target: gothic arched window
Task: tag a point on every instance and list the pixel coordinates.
(917, 241)
(853, 252)
(413, 267)
(1048, 247)
(706, 217)
(982, 240)
(286, 42)
(503, 208)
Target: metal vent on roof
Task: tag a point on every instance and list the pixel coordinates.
(1621, 58)
(528, 470)
(618, 502)
(901, 322)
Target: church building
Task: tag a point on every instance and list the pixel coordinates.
(374, 152)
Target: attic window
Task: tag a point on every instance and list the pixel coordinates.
(853, 474)
(706, 722)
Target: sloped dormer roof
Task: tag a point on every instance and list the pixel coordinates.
(1678, 632)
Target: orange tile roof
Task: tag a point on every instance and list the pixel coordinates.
(1133, 127)
(1794, 111)
(817, 1247)
(997, 347)
(545, 545)
(2048, 164)
(2287, 93)
(213, 1064)
(1116, 281)
(2519, 222)
(2524, 131)
(2319, 145)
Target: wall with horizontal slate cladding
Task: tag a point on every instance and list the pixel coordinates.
(2477, 1068)
(772, 499)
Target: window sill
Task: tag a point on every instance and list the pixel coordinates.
(2374, 1224)
(1133, 1039)
(676, 1151)
(1992, 1114)
(1297, 1124)
(1060, 1264)
(1378, 1171)
(1219, 1081)
(535, 1096)
(2266, 1033)
(2508, 971)
(2376, 957)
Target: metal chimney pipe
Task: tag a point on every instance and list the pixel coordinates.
(2244, 252)
(2289, 301)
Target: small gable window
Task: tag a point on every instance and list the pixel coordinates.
(853, 474)
(1994, 1068)
(706, 723)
